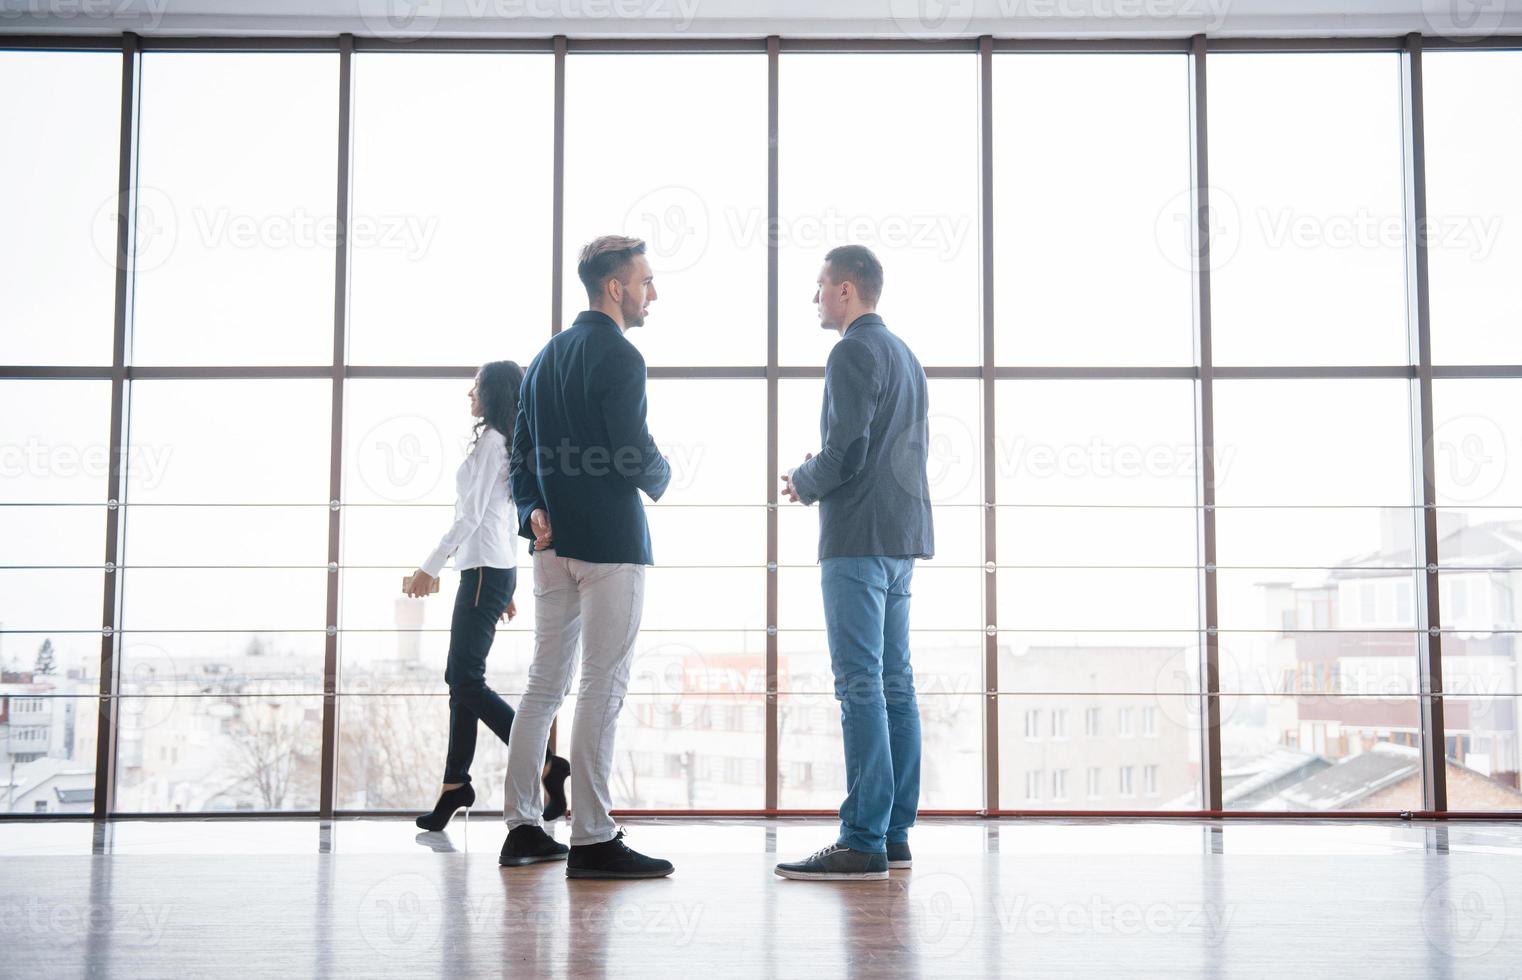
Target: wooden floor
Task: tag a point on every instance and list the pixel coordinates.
(372, 898)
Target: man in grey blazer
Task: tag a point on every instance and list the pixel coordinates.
(870, 482)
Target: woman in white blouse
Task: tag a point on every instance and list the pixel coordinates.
(484, 547)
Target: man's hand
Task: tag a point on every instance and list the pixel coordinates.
(787, 481)
(539, 523)
(420, 585)
(509, 612)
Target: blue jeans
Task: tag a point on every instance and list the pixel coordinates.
(866, 615)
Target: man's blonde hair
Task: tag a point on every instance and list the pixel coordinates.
(606, 258)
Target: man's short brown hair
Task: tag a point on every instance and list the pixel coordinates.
(857, 264)
(606, 258)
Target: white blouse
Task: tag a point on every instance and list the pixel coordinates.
(484, 516)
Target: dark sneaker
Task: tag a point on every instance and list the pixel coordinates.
(837, 863)
(528, 844)
(898, 855)
(613, 859)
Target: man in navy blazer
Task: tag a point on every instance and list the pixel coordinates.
(869, 479)
(581, 455)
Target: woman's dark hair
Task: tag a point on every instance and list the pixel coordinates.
(497, 387)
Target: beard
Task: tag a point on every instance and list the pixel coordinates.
(634, 316)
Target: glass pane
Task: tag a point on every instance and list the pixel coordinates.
(466, 258)
(1484, 748)
(1112, 663)
(269, 535)
(1066, 452)
(684, 753)
(1093, 259)
(1473, 102)
(47, 535)
(1078, 536)
(1308, 236)
(409, 657)
(1316, 443)
(231, 441)
(58, 247)
(1321, 753)
(45, 454)
(704, 598)
(50, 745)
(1475, 433)
(811, 758)
(403, 442)
(1306, 659)
(157, 665)
(243, 599)
(716, 457)
(229, 752)
(55, 442)
(1098, 598)
(391, 752)
(238, 181)
(1315, 472)
(914, 202)
(1095, 442)
(699, 203)
(1098, 752)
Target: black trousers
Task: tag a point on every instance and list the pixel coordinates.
(482, 597)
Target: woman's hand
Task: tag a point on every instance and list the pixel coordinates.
(510, 611)
(420, 585)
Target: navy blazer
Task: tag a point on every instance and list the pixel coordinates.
(869, 477)
(581, 449)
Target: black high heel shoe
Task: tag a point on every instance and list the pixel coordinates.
(449, 801)
(554, 788)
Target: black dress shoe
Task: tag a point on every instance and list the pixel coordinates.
(837, 863)
(898, 855)
(449, 801)
(528, 844)
(613, 859)
(554, 788)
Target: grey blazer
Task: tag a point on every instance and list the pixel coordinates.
(869, 478)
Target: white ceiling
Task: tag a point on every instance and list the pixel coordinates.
(790, 18)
